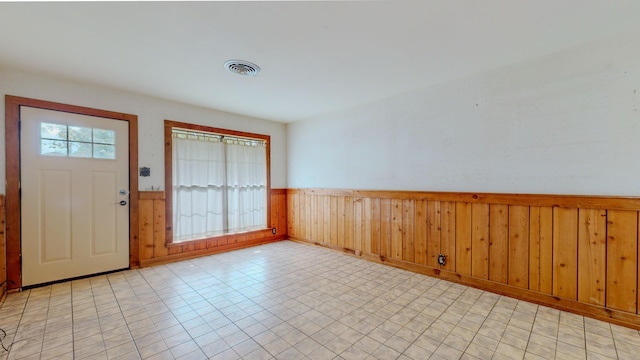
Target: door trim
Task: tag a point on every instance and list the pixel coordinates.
(12, 151)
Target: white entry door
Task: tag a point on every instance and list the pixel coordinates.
(74, 195)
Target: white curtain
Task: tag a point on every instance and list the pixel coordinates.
(218, 186)
(246, 186)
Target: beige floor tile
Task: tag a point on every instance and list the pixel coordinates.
(292, 301)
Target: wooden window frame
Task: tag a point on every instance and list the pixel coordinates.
(168, 179)
(12, 167)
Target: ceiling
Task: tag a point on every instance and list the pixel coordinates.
(316, 57)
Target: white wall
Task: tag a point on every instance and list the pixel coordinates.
(151, 114)
(567, 123)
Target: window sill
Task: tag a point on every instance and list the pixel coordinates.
(230, 238)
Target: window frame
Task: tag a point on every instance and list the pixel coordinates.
(169, 125)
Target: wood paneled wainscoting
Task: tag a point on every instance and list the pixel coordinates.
(3, 253)
(154, 249)
(575, 253)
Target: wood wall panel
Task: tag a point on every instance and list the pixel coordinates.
(152, 229)
(313, 214)
(309, 214)
(386, 216)
(464, 254)
(349, 223)
(396, 229)
(480, 240)
(333, 222)
(498, 243)
(592, 256)
(291, 215)
(325, 208)
(159, 228)
(408, 226)
(575, 253)
(304, 217)
(433, 233)
(622, 260)
(448, 234)
(367, 225)
(376, 230)
(518, 246)
(146, 232)
(357, 224)
(420, 240)
(541, 249)
(3, 256)
(565, 253)
(340, 238)
(546, 249)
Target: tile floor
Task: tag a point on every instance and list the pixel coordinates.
(292, 301)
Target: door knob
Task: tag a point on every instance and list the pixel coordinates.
(123, 203)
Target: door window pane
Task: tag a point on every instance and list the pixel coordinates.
(53, 147)
(104, 151)
(101, 136)
(53, 131)
(79, 149)
(77, 133)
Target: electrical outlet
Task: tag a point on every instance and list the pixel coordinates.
(273, 231)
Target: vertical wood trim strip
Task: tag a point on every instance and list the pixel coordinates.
(464, 249)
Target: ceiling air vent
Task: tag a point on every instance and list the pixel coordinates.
(242, 67)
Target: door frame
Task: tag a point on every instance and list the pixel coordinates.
(12, 167)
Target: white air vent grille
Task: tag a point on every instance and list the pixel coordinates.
(242, 67)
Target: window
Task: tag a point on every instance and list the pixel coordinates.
(77, 141)
(218, 181)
